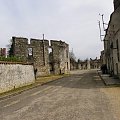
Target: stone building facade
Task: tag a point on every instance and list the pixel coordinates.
(95, 63)
(112, 42)
(37, 52)
(60, 57)
(102, 58)
(89, 64)
(3, 52)
(84, 65)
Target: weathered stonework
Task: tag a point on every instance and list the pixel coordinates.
(15, 75)
(95, 63)
(37, 52)
(40, 56)
(89, 64)
(116, 4)
(112, 42)
(3, 52)
(19, 45)
(61, 61)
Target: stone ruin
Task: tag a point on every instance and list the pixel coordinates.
(47, 59)
(89, 64)
(3, 52)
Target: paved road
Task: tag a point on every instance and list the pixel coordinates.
(82, 96)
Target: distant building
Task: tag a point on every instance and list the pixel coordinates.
(89, 64)
(84, 65)
(95, 63)
(3, 52)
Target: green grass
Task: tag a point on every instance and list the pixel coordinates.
(11, 59)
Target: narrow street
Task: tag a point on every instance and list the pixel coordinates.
(82, 96)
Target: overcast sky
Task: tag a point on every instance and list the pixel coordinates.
(73, 21)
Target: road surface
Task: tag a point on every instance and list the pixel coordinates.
(82, 96)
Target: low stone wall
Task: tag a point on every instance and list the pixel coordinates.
(15, 75)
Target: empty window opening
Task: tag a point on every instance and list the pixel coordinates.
(50, 50)
(30, 51)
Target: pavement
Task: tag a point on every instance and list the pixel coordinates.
(108, 80)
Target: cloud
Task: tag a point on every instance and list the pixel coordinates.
(73, 21)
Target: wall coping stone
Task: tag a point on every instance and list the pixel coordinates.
(8, 62)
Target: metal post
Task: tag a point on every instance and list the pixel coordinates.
(44, 49)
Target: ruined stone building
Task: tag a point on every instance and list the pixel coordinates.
(3, 52)
(95, 63)
(38, 52)
(73, 64)
(84, 65)
(60, 57)
(89, 64)
(112, 42)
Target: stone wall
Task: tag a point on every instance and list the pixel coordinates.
(3, 52)
(95, 63)
(89, 64)
(19, 47)
(37, 52)
(116, 4)
(112, 42)
(61, 60)
(15, 75)
(40, 56)
(84, 65)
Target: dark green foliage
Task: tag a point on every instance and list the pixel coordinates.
(10, 52)
(11, 59)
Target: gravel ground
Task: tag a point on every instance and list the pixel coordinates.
(82, 96)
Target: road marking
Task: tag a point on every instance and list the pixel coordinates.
(36, 93)
(12, 103)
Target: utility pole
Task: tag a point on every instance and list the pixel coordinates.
(104, 29)
(43, 36)
(100, 31)
(103, 22)
(44, 48)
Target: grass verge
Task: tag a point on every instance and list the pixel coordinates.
(38, 81)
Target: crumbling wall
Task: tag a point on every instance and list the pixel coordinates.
(95, 63)
(89, 64)
(35, 52)
(61, 61)
(82, 65)
(41, 56)
(3, 52)
(20, 47)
